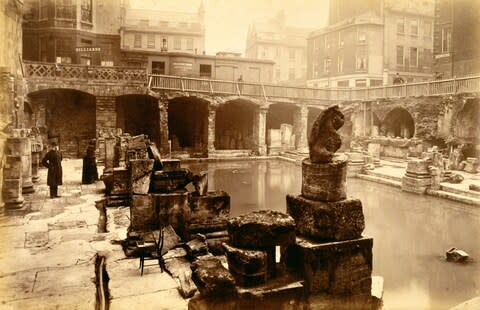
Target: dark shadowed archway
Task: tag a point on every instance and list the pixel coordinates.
(398, 123)
(234, 125)
(467, 126)
(139, 114)
(188, 124)
(65, 115)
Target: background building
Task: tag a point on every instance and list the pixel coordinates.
(146, 31)
(283, 44)
(368, 41)
(456, 37)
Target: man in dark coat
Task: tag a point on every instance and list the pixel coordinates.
(53, 161)
(89, 171)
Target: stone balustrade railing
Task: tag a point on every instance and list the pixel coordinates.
(430, 88)
(44, 70)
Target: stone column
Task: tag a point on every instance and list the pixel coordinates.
(106, 113)
(163, 115)
(259, 129)
(300, 120)
(21, 146)
(36, 151)
(212, 114)
(12, 182)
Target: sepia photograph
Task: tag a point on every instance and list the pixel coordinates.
(240, 154)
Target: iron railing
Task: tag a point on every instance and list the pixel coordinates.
(430, 88)
(42, 70)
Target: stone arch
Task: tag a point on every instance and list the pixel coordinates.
(280, 121)
(398, 123)
(65, 115)
(138, 114)
(234, 125)
(467, 126)
(188, 125)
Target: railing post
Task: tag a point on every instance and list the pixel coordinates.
(211, 88)
(454, 84)
(149, 77)
(406, 95)
(183, 86)
(238, 89)
(264, 93)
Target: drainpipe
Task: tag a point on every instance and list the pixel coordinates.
(364, 119)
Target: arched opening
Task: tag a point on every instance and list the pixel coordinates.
(188, 125)
(279, 127)
(398, 123)
(234, 124)
(64, 115)
(467, 126)
(139, 114)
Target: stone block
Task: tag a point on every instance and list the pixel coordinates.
(342, 267)
(261, 229)
(142, 213)
(171, 164)
(168, 181)
(209, 211)
(12, 193)
(110, 152)
(373, 149)
(325, 181)
(418, 167)
(121, 181)
(471, 165)
(415, 185)
(341, 220)
(172, 209)
(140, 175)
(248, 267)
(13, 167)
(196, 247)
(211, 278)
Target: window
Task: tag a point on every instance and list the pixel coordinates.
(343, 83)
(65, 9)
(414, 27)
(63, 50)
(291, 54)
(190, 44)
(374, 83)
(151, 41)
(43, 49)
(205, 70)
(86, 9)
(340, 63)
(164, 45)
(163, 24)
(278, 52)
(42, 9)
(325, 42)
(362, 37)
(106, 63)
(326, 64)
(158, 67)
(427, 57)
(177, 43)
(413, 56)
(137, 41)
(427, 29)
(340, 39)
(400, 55)
(361, 83)
(265, 52)
(361, 63)
(446, 39)
(277, 74)
(401, 26)
(143, 22)
(84, 60)
(291, 74)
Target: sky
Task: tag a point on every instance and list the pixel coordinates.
(227, 21)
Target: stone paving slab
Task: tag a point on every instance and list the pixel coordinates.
(151, 301)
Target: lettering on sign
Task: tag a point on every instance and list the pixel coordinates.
(87, 49)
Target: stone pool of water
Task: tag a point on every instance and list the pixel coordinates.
(411, 232)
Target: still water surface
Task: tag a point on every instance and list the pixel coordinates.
(411, 232)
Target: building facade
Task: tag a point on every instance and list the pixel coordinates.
(283, 44)
(153, 31)
(387, 37)
(69, 31)
(456, 37)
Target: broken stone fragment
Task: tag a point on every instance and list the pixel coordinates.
(168, 181)
(211, 278)
(154, 153)
(187, 288)
(249, 267)
(209, 212)
(327, 221)
(474, 187)
(171, 164)
(261, 229)
(456, 255)
(196, 247)
(140, 174)
(200, 182)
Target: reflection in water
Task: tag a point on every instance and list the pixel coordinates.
(411, 232)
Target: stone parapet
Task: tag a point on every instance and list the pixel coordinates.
(327, 221)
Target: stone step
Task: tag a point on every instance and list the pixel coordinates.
(380, 180)
(384, 176)
(454, 197)
(451, 189)
(229, 153)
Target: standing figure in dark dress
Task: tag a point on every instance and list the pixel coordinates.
(53, 161)
(89, 171)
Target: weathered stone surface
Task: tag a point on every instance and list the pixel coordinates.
(324, 140)
(121, 181)
(200, 182)
(12, 182)
(415, 185)
(456, 255)
(170, 239)
(140, 175)
(187, 288)
(173, 209)
(154, 153)
(418, 167)
(454, 178)
(171, 164)
(196, 247)
(248, 267)
(142, 213)
(325, 181)
(471, 165)
(209, 212)
(168, 181)
(261, 229)
(110, 152)
(22, 146)
(211, 278)
(341, 220)
(474, 187)
(342, 267)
